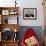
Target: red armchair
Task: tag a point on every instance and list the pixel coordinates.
(30, 34)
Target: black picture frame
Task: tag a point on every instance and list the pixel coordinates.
(29, 13)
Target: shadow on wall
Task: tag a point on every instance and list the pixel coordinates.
(37, 29)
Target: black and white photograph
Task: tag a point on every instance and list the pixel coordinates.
(29, 13)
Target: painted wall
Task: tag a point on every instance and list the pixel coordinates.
(26, 4)
(31, 4)
(37, 29)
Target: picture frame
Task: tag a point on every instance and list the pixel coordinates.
(13, 12)
(5, 12)
(30, 13)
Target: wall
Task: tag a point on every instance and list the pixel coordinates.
(37, 29)
(27, 4)
(31, 4)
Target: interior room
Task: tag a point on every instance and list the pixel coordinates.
(22, 23)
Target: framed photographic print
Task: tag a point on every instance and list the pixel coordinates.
(13, 12)
(5, 12)
(30, 13)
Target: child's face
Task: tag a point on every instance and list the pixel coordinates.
(31, 41)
